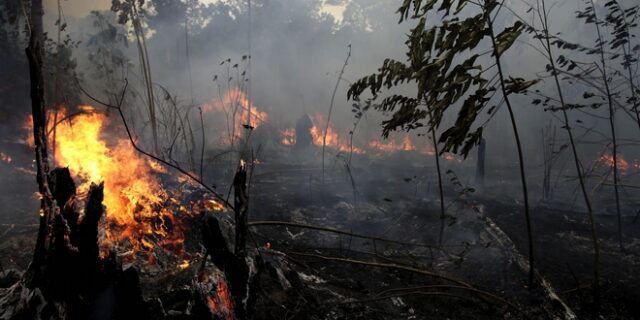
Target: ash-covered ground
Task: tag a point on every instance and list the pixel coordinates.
(364, 244)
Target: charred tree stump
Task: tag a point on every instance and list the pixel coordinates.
(241, 205)
(74, 282)
(234, 267)
(232, 264)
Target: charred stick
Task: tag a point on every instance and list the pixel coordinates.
(307, 226)
(384, 265)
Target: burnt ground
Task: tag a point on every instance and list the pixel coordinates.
(312, 274)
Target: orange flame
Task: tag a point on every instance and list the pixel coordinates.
(235, 106)
(5, 157)
(288, 137)
(607, 159)
(391, 146)
(140, 213)
(333, 141)
(219, 299)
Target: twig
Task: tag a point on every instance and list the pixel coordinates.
(307, 226)
(137, 148)
(333, 96)
(384, 265)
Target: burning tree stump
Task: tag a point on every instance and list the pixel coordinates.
(75, 283)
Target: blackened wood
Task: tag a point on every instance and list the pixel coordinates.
(241, 205)
(34, 54)
(88, 228)
(214, 242)
(234, 267)
(63, 190)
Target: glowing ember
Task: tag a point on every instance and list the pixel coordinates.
(218, 296)
(288, 137)
(213, 205)
(235, 106)
(225, 298)
(183, 265)
(332, 139)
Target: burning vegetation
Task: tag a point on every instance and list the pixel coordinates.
(153, 177)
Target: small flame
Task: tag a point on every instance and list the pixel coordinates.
(607, 159)
(213, 205)
(391, 146)
(333, 141)
(183, 265)
(5, 157)
(28, 127)
(288, 137)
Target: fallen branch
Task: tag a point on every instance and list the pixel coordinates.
(482, 292)
(384, 265)
(307, 226)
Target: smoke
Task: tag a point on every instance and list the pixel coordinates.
(298, 48)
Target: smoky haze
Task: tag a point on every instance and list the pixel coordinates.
(297, 52)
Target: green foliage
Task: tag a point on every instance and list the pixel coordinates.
(442, 64)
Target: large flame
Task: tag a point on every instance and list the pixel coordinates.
(132, 188)
(141, 215)
(235, 106)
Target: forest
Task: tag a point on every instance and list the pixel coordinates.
(319, 159)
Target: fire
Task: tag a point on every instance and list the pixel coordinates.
(607, 159)
(391, 146)
(288, 137)
(28, 126)
(333, 141)
(133, 189)
(183, 265)
(5, 157)
(218, 297)
(235, 106)
(140, 214)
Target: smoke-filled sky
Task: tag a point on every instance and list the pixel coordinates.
(79, 8)
(299, 47)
